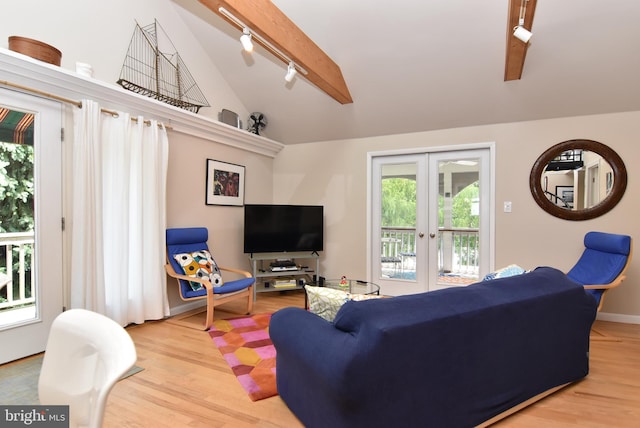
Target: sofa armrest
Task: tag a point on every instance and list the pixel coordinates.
(306, 343)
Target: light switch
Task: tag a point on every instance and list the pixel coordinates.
(507, 206)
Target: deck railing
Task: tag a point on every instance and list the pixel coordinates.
(458, 249)
(16, 269)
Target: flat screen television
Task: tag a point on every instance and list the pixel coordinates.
(283, 228)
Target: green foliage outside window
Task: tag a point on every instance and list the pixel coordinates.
(16, 187)
(399, 204)
(16, 202)
(462, 202)
(399, 210)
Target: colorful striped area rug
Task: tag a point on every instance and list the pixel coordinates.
(245, 345)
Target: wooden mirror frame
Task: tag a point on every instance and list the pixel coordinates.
(612, 199)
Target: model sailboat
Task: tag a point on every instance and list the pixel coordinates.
(157, 73)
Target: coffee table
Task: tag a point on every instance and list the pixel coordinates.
(353, 286)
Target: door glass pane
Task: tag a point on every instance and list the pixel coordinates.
(458, 221)
(398, 221)
(17, 294)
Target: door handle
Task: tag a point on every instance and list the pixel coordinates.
(432, 235)
(421, 235)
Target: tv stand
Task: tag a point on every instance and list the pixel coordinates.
(281, 280)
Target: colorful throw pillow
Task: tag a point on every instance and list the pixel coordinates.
(200, 264)
(510, 270)
(324, 301)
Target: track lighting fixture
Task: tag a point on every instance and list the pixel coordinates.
(245, 39)
(249, 35)
(291, 72)
(522, 33)
(519, 31)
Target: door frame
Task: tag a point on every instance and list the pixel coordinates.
(491, 146)
(486, 194)
(419, 160)
(30, 337)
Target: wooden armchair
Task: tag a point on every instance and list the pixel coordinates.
(199, 277)
(603, 263)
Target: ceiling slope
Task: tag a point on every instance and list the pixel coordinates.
(269, 22)
(415, 66)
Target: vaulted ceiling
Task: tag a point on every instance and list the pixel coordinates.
(414, 65)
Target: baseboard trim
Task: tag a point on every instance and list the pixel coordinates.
(621, 318)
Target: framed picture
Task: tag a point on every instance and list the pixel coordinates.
(225, 183)
(565, 195)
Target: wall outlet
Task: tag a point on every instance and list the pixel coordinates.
(507, 206)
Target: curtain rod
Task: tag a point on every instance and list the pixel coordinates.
(69, 101)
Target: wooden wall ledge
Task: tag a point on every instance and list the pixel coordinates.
(22, 70)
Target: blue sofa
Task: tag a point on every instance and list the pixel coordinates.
(449, 358)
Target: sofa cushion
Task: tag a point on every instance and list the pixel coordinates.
(200, 264)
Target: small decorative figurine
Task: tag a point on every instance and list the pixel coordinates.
(343, 281)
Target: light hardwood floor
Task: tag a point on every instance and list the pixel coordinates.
(186, 382)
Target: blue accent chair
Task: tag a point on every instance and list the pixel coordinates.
(603, 263)
(188, 240)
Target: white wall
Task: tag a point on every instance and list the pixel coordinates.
(334, 174)
(186, 207)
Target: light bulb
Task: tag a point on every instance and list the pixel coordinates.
(245, 39)
(522, 33)
(291, 72)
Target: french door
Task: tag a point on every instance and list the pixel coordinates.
(31, 292)
(430, 219)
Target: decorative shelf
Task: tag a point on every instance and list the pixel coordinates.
(22, 70)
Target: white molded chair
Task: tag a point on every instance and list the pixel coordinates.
(86, 354)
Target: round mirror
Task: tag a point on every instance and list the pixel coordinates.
(578, 179)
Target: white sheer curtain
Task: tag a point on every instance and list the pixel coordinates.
(118, 216)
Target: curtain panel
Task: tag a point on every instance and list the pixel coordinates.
(118, 215)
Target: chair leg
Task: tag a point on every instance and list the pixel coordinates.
(182, 318)
(210, 308)
(250, 300)
(209, 320)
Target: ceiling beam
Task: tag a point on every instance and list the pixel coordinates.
(275, 27)
(517, 49)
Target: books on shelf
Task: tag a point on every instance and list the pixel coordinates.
(285, 283)
(285, 286)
